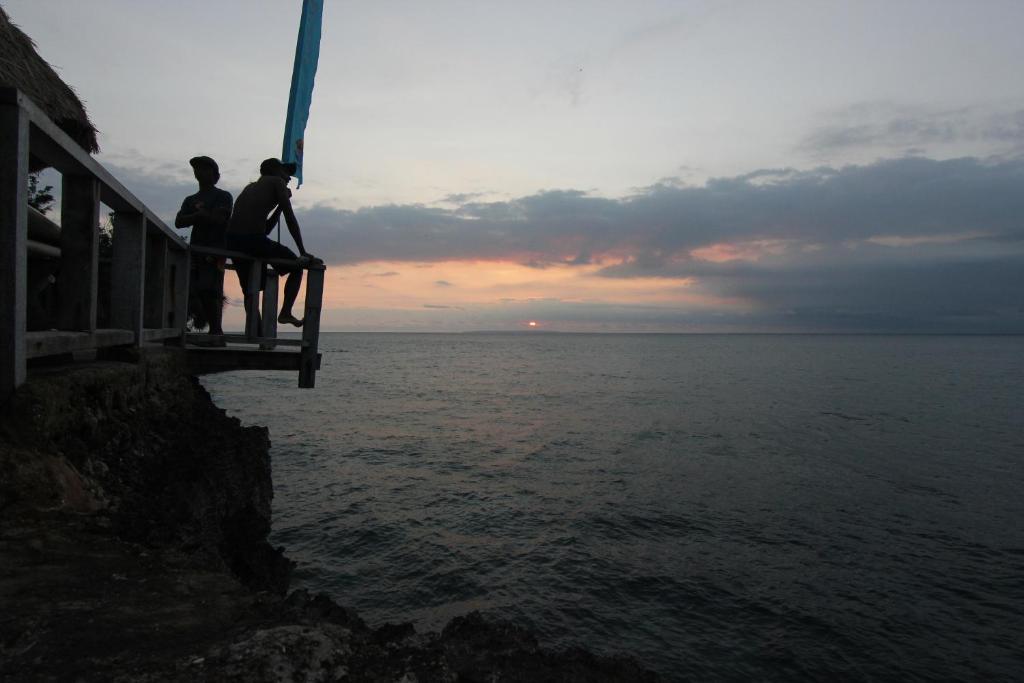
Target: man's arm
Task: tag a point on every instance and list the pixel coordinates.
(185, 217)
(293, 228)
(275, 215)
(284, 206)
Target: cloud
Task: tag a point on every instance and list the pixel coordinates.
(892, 126)
(569, 75)
(917, 242)
(899, 241)
(461, 197)
(945, 294)
(903, 198)
(158, 188)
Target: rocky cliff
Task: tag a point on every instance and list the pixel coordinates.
(133, 522)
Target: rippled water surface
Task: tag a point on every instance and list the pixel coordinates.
(773, 507)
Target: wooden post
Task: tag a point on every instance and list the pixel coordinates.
(14, 129)
(169, 283)
(270, 310)
(181, 265)
(128, 273)
(311, 327)
(156, 281)
(252, 299)
(78, 282)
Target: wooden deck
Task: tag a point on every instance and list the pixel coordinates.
(204, 360)
(56, 342)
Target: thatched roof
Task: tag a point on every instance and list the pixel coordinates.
(23, 68)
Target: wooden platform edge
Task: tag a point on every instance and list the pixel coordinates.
(54, 342)
(204, 361)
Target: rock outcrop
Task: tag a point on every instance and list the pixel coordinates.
(133, 523)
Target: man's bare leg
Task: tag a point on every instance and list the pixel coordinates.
(291, 292)
(214, 309)
(259, 318)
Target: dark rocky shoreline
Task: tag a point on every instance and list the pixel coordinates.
(133, 522)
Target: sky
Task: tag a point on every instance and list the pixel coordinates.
(599, 166)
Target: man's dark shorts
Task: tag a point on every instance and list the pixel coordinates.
(263, 247)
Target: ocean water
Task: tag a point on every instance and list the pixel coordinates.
(720, 506)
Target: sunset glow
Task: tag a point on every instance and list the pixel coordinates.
(610, 178)
(459, 286)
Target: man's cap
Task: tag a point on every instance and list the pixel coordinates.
(275, 166)
(196, 162)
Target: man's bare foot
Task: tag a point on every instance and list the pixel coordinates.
(289, 319)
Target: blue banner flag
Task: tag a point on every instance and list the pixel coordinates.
(307, 54)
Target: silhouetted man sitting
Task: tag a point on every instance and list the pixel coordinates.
(207, 212)
(250, 225)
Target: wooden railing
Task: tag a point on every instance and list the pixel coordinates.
(148, 271)
(261, 312)
(150, 266)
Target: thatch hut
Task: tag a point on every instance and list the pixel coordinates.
(22, 67)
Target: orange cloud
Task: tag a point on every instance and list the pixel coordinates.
(918, 240)
(740, 251)
(464, 283)
(405, 286)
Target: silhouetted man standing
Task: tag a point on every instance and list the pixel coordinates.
(207, 213)
(250, 225)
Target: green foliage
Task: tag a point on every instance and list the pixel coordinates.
(107, 237)
(40, 199)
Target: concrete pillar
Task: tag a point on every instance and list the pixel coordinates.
(178, 305)
(77, 283)
(14, 132)
(154, 313)
(128, 273)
